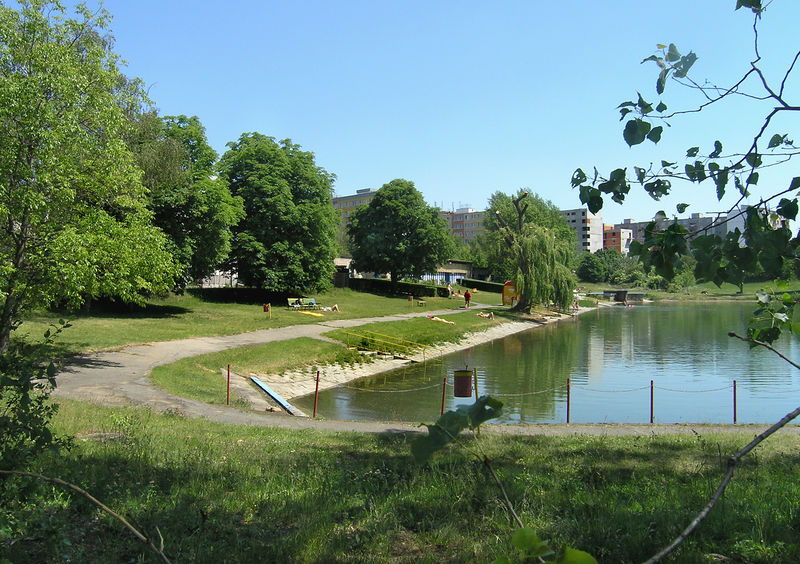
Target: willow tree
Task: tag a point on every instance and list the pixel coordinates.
(540, 255)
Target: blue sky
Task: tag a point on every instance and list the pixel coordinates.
(463, 98)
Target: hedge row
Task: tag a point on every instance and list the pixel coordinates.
(482, 285)
(383, 286)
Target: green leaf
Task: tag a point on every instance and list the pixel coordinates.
(636, 131)
(574, 556)
(753, 159)
(525, 539)
(754, 5)
(681, 207)
(776, 140)
(665, 164)
(692, 152)
(700, 170)
(788, 208)
(655, 134)
(658, 188)
(717, 150)
(795, 183)
(644, 107)
(578, 178)
(591, 198)
(753, 178)
(640, 174)
(683, 66)
(662, 107)
(796, 319)
(662, 81)
(672, 54)
(623, 112)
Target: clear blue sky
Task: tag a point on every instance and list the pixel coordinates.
(464, 98)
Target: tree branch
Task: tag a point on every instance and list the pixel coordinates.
(99, 504)
(733, 461)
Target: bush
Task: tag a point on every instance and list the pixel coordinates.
(482, 285)
(385, 287)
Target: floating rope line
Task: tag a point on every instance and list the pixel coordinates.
(529, 393)
(728, 387)
(610, 391)
(390, 391)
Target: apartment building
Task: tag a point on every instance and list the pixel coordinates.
(465, 223)
(617, 239)
(345, 205)
(587, 226)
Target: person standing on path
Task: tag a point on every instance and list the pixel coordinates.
(467, 297)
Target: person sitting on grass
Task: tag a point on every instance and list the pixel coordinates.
(489, 315)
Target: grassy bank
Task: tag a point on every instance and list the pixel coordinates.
(240, 494)
(199, 377)
(179, 317)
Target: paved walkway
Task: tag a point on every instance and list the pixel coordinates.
(119, 378)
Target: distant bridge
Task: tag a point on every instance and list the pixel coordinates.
(621, 296)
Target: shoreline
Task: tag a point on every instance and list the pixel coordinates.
(294, 384)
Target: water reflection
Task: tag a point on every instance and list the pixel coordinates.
(610, 358)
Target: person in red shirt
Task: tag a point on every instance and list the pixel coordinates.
(467, 297)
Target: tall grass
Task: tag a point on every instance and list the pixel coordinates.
(244, 494)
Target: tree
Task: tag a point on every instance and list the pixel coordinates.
(537, 211)
(287, 239)
(190, 204)
(540, 254)
(73, 221)
(592, 268)
(398, 233)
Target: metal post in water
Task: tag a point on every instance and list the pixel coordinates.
(734, 402)
(475, 379)
(444, 391)
(316, 395)
(651, 402)
(567, 400)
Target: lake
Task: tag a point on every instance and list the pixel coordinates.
(609, 356)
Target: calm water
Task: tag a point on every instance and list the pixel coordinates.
(610, 357)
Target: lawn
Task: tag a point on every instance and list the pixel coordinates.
(178, 317)
(245, 494)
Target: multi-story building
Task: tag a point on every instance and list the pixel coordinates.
(345, 205)
(465, 223)
(617, 239)
(696, 224)
(587, 226)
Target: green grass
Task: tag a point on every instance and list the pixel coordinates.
(245, 494)
(199, 377)
(422, 330)
(179, 317)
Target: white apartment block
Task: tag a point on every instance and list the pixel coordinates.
(587, 226)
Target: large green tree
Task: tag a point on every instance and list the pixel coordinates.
(73, 216)
(532, 244)
(190, 203)
(287, 240)
(398, 233)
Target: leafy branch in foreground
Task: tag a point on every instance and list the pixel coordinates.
(765, 241)
(445, 431)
